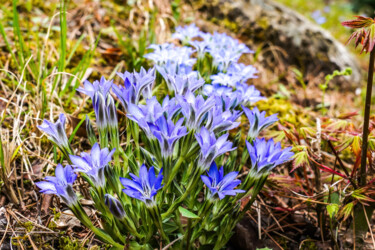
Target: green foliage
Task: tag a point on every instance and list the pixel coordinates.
(66, 243)
(186, 213)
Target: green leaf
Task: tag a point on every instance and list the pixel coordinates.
(186, 213)
(332, 209)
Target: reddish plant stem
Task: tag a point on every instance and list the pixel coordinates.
(366, 121)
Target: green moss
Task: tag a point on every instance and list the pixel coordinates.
(56, 215)
(28, 226)
(287, 111)
(233, 26)
(66, 243)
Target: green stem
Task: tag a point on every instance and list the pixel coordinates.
(174, 172)
(80, 213)
(362, 178)
(188, 234)
(158, 220)
(193, 182)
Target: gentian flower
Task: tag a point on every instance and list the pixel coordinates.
(56, 133)
(164, 53)
(221, 41)
(144, 76)
(220, 184)
(225, 79)
(186, 33)
(267, 155)
(242, 72)
(170, 107)
(225, 97)
(114, 206)
(103, 86)
(183, 83)
(61, 185)
(194, 108)
(93, 163)
(168, 134)
(228, 102)
(102, 103)
(248, 94)
(111, 113)
(200, 47)
(258, 121)
(135, 84)
(216, 89)
(223, 58)
(219, 120)
(211, 148)
(100, 108)
(144, 115)
(145, 186)
(225, 50)
(173, 68)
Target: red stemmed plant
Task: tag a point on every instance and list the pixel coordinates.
(364, 34)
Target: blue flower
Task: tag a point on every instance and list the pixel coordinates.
(211, 147)
(184, 83)
(217, 90)
(144, 76)
(223, 58)
(225, 79)
(93, 163)
(170, 107)
(195, 108)
(164, 53)
(103, 86)
(219, 120)
(172, 69)
(61, 185)
(135, 84)
(145, 186)
(224, 49)
(318, 17)
(228, 102)
(56, 133)
(112, 121)
(105, 112)
(186, 33)
(242, 72)
(225, 97)
(114, 206)
(258, 121)
(168, 134)
(144, 115)
(100, 108)
(248, 94)
(220, 184)
(200, 46)
(267, 155)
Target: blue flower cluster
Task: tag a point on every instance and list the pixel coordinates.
(188, 124)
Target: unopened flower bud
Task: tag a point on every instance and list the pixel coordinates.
(114, 206)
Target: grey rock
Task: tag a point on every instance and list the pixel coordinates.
(307, 45)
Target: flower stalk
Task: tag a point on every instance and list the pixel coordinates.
(366, 120)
